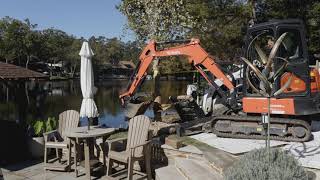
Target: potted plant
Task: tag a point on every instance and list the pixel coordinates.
(36, 142)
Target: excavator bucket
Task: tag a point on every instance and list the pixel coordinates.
(134, 109)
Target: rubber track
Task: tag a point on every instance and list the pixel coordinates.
(258, 119)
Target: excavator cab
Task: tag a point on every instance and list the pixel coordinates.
(277, 80)
(277, 50)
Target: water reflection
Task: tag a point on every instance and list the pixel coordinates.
(48, 99)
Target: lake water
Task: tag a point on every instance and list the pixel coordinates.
(48, 99)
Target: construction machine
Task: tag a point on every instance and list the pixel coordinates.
(277, 79)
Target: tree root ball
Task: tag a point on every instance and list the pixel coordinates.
(254, 165)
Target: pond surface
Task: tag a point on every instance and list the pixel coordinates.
(50, 98)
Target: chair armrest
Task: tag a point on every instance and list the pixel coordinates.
(112, 142)
(144, 145)
(47, 135)
(139, 145)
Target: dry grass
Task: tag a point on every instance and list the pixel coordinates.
(121, 134)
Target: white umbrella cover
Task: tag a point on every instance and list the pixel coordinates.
(88, 106)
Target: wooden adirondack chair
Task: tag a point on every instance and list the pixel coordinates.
(137, 148)
(67, 120)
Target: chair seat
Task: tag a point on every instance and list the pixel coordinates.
(121, 156)
(63, 144)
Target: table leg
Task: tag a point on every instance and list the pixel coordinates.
(69, 154)
(75, 146)
(87, 158)
(103, 145)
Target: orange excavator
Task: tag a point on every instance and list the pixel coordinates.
(277, 78)
(195, 54)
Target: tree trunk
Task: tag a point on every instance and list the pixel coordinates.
(156, 77)
(27, 63)
(156, 90)
(27, 92)
(73, 69)
(254, 17)
(7, 93)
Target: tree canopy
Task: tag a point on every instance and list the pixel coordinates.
(218, 24)
(21, 43)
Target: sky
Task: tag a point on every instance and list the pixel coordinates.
(82, 18)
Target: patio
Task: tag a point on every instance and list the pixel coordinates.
(33, 170)
(181, 163)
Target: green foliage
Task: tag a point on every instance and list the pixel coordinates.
(157, 19)
(217, 24)
(254, 165)
(12, 33)
(307, 10)
(42, 126)
(21, 44)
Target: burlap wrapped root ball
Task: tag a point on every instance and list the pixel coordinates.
(254, 165)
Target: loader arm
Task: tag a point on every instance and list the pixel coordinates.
(193, 51)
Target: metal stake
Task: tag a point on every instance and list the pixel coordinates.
(268, 136)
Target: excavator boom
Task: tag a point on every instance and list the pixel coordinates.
(195, 54)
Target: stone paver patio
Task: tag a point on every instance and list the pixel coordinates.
(33, 170)
(184, 159)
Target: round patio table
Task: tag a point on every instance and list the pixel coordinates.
(82, 134)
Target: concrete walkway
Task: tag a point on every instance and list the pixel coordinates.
(183, 162)
(307, 153)
(33, 170)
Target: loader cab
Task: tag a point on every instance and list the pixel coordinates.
(290, 62)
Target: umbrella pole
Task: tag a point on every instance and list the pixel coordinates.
(89, 122)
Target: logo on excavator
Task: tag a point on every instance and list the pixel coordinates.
(171, 53)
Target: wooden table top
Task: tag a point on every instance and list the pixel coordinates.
(95, 131)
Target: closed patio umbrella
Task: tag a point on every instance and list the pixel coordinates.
(88, 106)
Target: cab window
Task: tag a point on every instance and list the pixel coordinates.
(291, 46)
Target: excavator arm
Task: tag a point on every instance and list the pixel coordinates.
(195, 54)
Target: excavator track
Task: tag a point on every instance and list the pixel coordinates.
(250, 127)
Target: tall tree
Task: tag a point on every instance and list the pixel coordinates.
(72, 57)
(306, 10)
(56, 43)
(32, 42)
(217, 23)
(114, 50)
(157, 19)
(12, 33)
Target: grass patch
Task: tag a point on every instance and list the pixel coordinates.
(186, 140)
(121, 134)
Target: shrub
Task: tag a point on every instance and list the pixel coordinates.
(42, 126)
(254, 165)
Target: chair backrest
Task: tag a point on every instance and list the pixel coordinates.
(67, 120)
(138, 133)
